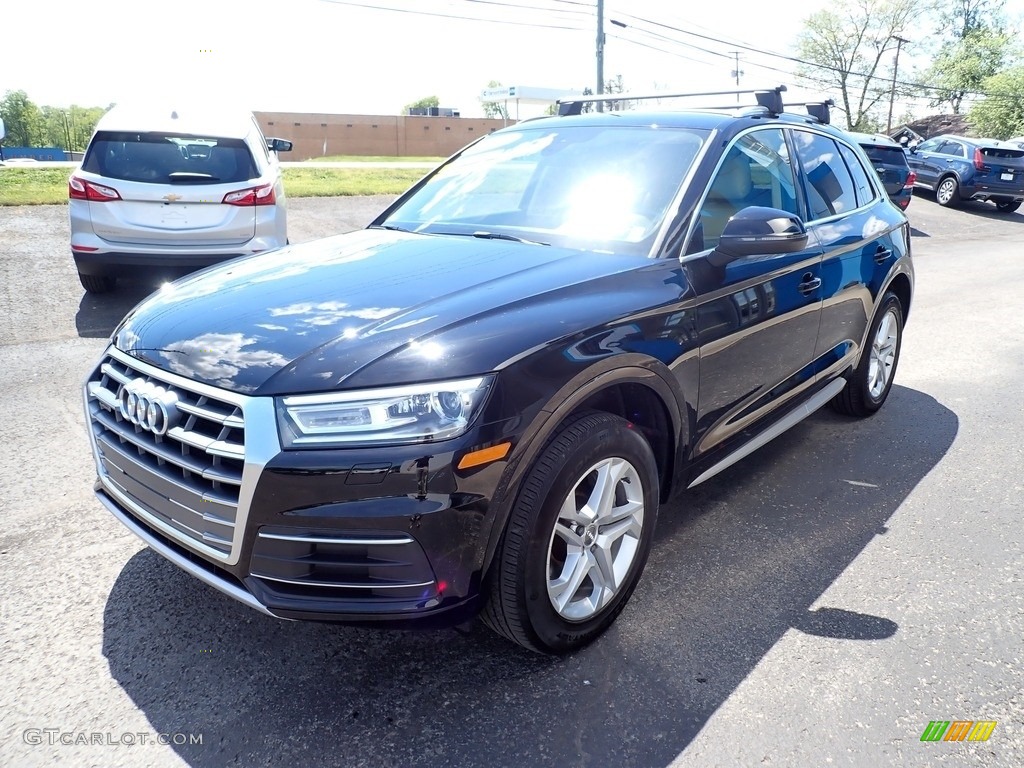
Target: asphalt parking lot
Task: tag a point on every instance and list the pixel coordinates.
(817, 604)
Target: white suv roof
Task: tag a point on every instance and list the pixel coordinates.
(191, 120)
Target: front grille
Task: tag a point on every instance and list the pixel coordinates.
(186, 481)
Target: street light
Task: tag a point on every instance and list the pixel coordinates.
(892, 91)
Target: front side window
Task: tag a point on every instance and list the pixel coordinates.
(828, 184)
(162, 158)
(756, 170)
(590, 187)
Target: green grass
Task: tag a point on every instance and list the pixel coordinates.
(33, 186)
(337, 182)
(371, 159)
(45, 186)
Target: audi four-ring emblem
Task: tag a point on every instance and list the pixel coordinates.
(149, 406)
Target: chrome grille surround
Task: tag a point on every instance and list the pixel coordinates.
(193, 484)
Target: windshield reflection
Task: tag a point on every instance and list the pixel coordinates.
(588, 187)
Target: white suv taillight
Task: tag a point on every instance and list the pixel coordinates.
(263, 195)
(80, 189)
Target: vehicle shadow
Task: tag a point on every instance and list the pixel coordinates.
(736, 564)
(99, 314)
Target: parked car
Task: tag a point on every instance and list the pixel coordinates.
(174, 189)
(889, 160)
(957, 168)
(1017, 140)
(479, 403)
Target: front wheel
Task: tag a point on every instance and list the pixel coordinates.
(1008, 206)
(948, 192)
(869, 384)
(578, 537)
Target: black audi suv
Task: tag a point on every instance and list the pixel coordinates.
(478, 404)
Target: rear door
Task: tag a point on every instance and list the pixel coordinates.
(861, 236)
(171, 189)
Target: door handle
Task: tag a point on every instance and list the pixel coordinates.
(810, 283)
(882, 255)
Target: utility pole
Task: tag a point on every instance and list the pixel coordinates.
(892, 91)
(600, 53)
(737, 72)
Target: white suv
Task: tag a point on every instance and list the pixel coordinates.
(173, 189)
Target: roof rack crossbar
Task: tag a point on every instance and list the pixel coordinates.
(768, 98)
(819, 110)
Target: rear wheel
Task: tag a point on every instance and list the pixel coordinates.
(97, 283)
(1008, 206)
(948, 192)
(870, 382)
(578, 537)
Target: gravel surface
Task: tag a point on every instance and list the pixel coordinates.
(816, 604)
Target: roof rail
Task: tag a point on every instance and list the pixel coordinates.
(769, 98)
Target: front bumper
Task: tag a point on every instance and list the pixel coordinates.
(392, 536)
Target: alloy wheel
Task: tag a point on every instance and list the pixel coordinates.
(595, 539)
(883, 354)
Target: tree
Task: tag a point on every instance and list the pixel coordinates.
(1001, 113)
(845, 49)
(495, 109)
(961, 66)
(975, 48)
(23, 120)
(424, 103)
(966, 16)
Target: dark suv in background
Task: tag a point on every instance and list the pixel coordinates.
(479, 403)
(889, 160)
(958, 169)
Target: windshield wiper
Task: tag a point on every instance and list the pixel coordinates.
(392, 227)
(483, 235)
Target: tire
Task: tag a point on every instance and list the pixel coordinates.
(868, 386)
(97, 283)
(947, 194)
(1008, 206)
(531, 596)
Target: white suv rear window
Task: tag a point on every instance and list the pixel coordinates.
(161, 158)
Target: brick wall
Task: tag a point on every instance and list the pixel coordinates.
(389, 135)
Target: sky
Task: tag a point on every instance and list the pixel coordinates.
(375, 56)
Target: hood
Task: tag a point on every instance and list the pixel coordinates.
(308, 317)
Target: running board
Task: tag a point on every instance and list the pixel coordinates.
(791, 419)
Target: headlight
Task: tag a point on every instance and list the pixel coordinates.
(408, 414)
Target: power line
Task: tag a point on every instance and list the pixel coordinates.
(793, 59)
(459, 17)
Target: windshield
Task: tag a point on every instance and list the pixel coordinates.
(163, 158)
(592, 187)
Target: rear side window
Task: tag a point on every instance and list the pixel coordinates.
(164, 158)
(829, 187)
(865, 192)
(953, 148)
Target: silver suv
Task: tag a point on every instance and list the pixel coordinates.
(176, 190)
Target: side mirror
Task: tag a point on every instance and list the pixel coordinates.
(758, 231)
(279, 145)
